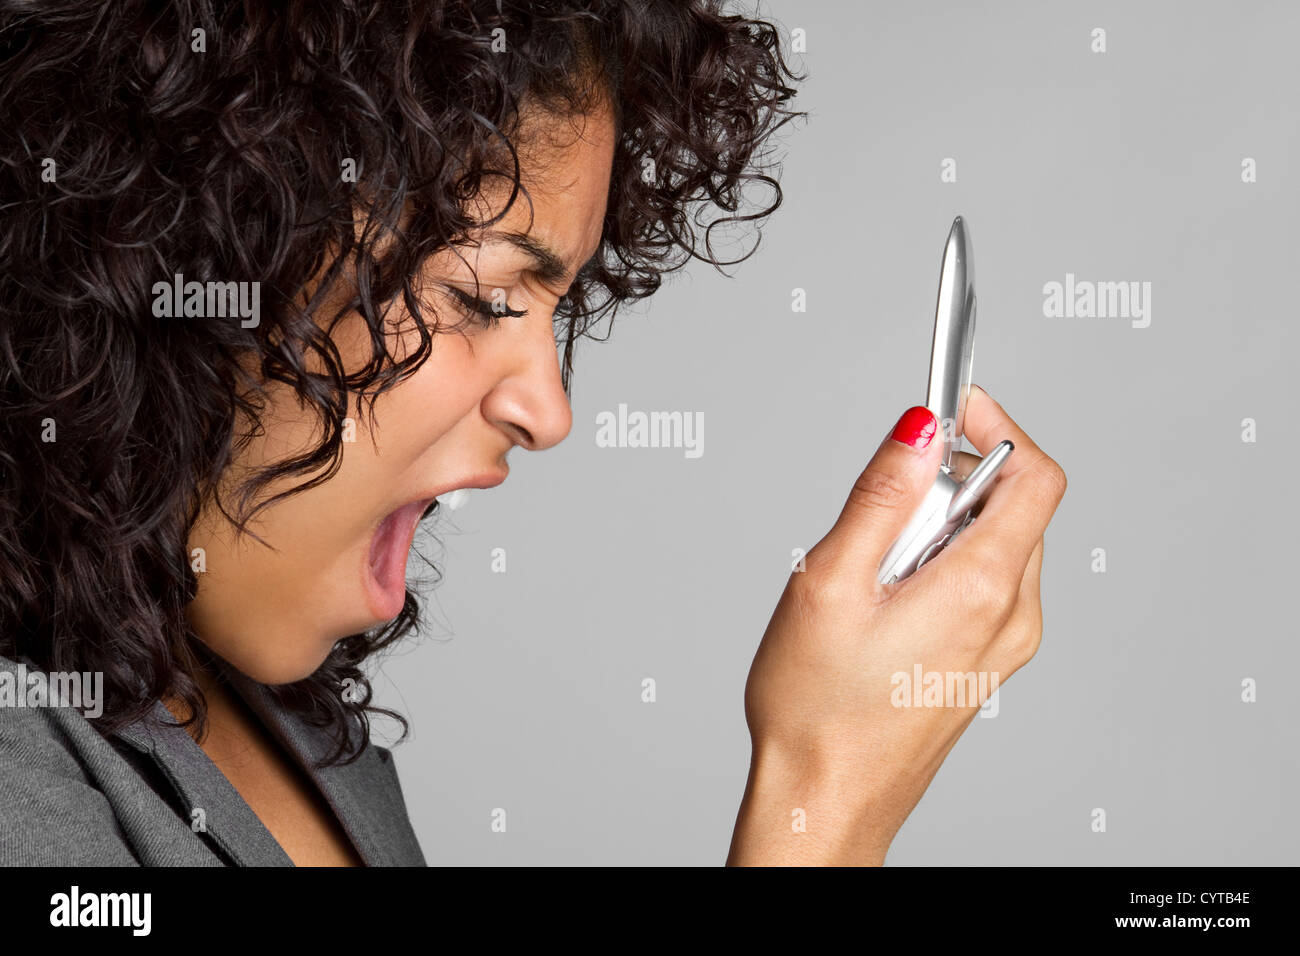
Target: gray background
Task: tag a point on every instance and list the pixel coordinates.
(630, 563)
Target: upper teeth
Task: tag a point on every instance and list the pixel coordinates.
(454, 499)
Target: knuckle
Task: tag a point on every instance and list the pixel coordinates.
(1024, 640)
(879, 489)
(1050, 476)
(823, 586)
(989, 596)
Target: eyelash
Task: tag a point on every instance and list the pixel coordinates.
(484, 309)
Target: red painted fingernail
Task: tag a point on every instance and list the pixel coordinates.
(916, 428)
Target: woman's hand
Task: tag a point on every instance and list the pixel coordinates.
(838, 763)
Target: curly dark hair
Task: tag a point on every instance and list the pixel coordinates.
(128, 155)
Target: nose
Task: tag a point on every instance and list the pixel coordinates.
(529, 402)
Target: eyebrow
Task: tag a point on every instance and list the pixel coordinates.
(549, 265)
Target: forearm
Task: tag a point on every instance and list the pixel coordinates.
(793, 816)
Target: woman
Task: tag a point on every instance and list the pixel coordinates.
(274, 281)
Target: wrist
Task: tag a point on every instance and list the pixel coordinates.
(802, 809)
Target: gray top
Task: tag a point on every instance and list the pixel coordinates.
(69, 796)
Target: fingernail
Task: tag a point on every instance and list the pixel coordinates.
(916, 428)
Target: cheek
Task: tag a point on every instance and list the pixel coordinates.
(415, 435)
(412, 419)
(424, 429)
(390, 452)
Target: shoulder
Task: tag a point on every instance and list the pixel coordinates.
(50, 810)
(34, 737)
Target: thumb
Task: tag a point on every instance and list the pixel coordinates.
(889, 489)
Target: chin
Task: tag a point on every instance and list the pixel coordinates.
(274, 665)
(289, 641)
(297, 654)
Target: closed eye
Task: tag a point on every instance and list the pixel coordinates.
(491, 311)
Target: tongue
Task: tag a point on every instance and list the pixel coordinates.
(388, 553)
(381, 550)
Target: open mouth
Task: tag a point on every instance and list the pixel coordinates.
(389, 549)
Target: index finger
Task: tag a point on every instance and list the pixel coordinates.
(987, 423)
(1023, 500)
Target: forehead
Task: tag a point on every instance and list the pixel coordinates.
(565, 164)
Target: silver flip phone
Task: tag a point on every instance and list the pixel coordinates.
(954, 499)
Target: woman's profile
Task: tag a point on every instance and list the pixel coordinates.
(274, 279)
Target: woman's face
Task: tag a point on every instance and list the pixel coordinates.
(333, 560)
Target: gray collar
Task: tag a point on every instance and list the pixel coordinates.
(360, 793)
